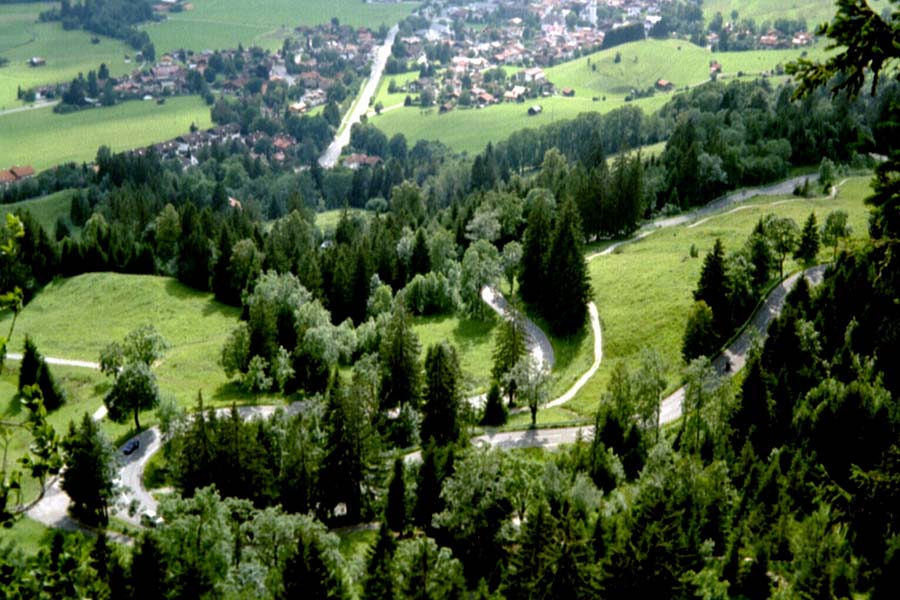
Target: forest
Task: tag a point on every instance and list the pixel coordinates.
(782, 482)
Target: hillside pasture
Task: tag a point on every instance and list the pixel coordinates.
(46, 210)
(75, 318)
(220, 24)
(814, 11)
(67, 52)
(644, 290)
(43, 139)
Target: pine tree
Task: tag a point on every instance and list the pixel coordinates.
(808, 249)
(536, 241)
(761, 258)
(222, 284)
(567, 276)
(713, 287)
(379, 580)
(700, 335)
(437, 464)
(441, 420)
(395, 513)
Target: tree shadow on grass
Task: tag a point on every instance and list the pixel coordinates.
(471, 332)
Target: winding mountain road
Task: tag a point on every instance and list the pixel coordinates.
(52, 508)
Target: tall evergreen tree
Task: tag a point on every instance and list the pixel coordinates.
(495, 411)
(509, 348)
(419, 262)
(808, 248)
(395, 512)
(441, 419)
(567, 275)
(307, 574)
(536, 241)
(379, 581)
(713, 287)
(30, 365)
(90, 468)
(400, 371)
(147, 577)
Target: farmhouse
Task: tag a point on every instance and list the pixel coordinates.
(355, 161)
(15, 174)
(664, 85)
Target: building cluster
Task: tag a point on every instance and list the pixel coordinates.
(500, 34)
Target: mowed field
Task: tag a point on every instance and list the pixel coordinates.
(219, 24)
(599, 89)
(644, 290)
(43, 139)
(814, 11)
(75, 318)
(67, 52)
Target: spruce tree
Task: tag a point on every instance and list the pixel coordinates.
(395, 513)
(441, 419)
(536, 241)
(495, 411)
(420, 261)
(30, 365)
(379, 581)
(90, 468)
(307, 575)
(147, 578)
(534, 556)
(566, 305)
(761, 258)
(511, 344)
(400, 381)
(713, 287)
(700, 335)
(808, 248)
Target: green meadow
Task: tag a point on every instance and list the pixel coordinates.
(469, 130)
(67, 52)
(75, 318)
(45, 210)
(644, 290)
(43, 139)
(814, 11)
(218, 24)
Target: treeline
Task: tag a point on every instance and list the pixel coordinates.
(115, 18)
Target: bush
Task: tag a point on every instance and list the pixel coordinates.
(430, 294)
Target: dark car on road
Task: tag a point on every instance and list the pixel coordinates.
(130, 447)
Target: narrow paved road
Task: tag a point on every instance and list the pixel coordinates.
(538, 342)
(65, 362)
(342, 138)
(734, 357)
(776, 189)
(35, 106)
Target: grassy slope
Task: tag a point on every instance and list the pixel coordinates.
(642, 64)
(328, 220)
(45, 210)
(474, 340)
(216, 24)
(643, 292)
(470, 130)
(44, 139)
(75, 318)
(67, 52)
(814, 11)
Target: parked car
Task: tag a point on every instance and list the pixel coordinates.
(130, 447)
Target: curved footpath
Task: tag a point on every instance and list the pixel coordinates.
(52, 508)
(361, 104)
